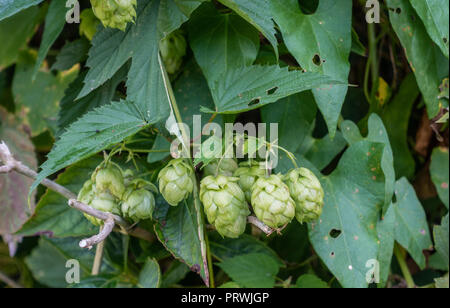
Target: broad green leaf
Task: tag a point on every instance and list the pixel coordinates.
(177, 229)
(95, 131)
(258, 14)
(54, 24)
(161, 148)
(309, 281)
(14, 209)
(229, 285)
(442, 283)
(150, 275)
(112, 48)
(11, 7)
(221, 42)
(320, 152)
(386, 236)
(71, 54)
(345, 237)
(47, 262)
(15, 31)
(293, 247)
(53, 216)
(71, 109)
(439, 173)
(411, 228)
(251, 87)
(253, 270)
(225, 248)
(295, 116)
(434, 15)
(38, 100)
(320, 42)
(396, 119)
(441, 238)
(426, 60)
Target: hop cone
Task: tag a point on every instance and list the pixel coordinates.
(271, 201)
(227, 167)
(307, 193)
(138, 204)
(109, 179)
(173, 49)
(175, 182)
(248, 173)
(89, 23)
(114, 13)
(224, 203)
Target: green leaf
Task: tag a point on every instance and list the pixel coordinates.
(253, 270)
(14, 209)
(104, 281)
(174, 274)
(71, 109)
(53, 216)
(320, 152)
(221, 42)
(295, 116)
(150, 275)
(396, 119)
(39, 100)
(248, 88)
(14, 34)
(54, 24)
(435, 16)
(309, 281)
(162, 146)
(257, 14)
(71, 54)
(176, 228)
(386, 234)
(411, 227)
(345, 237)
(11, 7)
(439, 173)
(320, 42)
(442, 283)
(94, 132)
(441, 239)
(426, 60)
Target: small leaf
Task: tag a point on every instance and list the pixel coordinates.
(11, 7)
(309, 281)
(439, 173)
(150, 275)
(72, 53)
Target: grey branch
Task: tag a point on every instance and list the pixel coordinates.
(9, 282)
(260, 225)
(105, 231)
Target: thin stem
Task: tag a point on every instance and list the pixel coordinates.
(373, 61)
(98, 258)
(210, 264)
(399, 254)
(9, 282)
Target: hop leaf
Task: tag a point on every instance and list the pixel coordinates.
(224, 203)
(307, 193)
(248, 173)
(173, 49)
(114, 13)
(224, 166)
(138, 204)
(272, 202)
(175, 181)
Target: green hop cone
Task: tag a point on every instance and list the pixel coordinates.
(307, 193)
(248, 173)
(109, 179)
(138, 204)
(115, 13)
(224, 203)
(173, 49)
(175, 181)
(87, 193)
(272, 202)
(89, 23)
(227, 167)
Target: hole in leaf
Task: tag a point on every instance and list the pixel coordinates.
(308, 7)
(394, 198)
(317, 60)
(254, 102)
(272, 91)
(335, 233)
(332, 254)
(445, 40)
(398, 10)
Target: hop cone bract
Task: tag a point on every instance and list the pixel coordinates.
(175, 181)
(224, 166)
(248, 173)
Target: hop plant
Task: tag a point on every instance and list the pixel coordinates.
(109, 179)
(224, 166)
(115, 13)
(89, 23)
(139, 202)
(173, 49)
(272, 202)
(175, 181)
(224, 204)
(307, 193)
(248, 173)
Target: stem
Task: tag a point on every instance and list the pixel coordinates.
(9, 282)
(98, 258)
(399, 254)
(210, 264)
(373, 62)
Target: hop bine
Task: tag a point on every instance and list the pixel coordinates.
(175, 181)
(272, 202)
(224, 204)
(307, 193)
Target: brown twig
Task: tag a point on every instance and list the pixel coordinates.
(9, 282)
(260, 225)
(105, 231)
